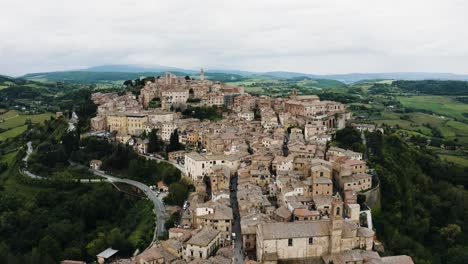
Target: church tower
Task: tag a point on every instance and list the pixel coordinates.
(293, 93)
(202, 74)
(336, 216)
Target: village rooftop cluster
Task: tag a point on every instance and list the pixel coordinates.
(297, 198)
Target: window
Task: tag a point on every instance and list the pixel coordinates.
(290, 242)
(311, 240)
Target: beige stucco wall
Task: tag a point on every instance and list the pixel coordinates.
(299, 249)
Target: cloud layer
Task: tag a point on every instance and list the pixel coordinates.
(332, 36)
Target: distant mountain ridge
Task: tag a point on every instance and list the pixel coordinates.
(133, 70)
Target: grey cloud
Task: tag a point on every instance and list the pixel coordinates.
(333, 36)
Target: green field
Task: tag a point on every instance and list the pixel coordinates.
(14, 132)
(15, 122)
(8, 158)
(277, 87)
(12, 119)
(246, 83)
(416, 124)
(441, 105)
(9, 114)
(460, 160)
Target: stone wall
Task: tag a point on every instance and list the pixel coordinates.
(373, 195)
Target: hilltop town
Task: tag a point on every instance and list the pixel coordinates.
(269, 188)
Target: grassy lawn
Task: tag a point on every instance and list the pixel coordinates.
(441, 105)
(422, 118)
(9, 114)
(241, 83)
(450, 129)
(254, 89)
(8, 158)
(13, 119)
(13, 132)
(460, 160)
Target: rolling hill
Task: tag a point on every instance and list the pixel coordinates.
(125, 72)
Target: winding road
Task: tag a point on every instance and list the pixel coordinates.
(159, 209)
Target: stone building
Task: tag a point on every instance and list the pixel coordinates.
(197, 165)
(216, 216)
(301, 240)
(202, 245)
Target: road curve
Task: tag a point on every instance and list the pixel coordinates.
(159, 209)
(158, 205)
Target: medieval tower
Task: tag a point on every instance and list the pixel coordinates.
(202, 74)
(336, 224)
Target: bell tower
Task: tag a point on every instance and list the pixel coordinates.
(336, 216)
(293, 93)
(202, 74)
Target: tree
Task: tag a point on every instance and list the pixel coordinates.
(155, 143)
(450, 232)
(347, 137)
(70, 142)
(178, 193)
(97, 245)
(117, 240)
(172, 221)
(174, 143)
(128, 83)
(49, 248)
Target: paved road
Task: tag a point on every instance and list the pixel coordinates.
(159, 209)
(158, 204)
(236, 225)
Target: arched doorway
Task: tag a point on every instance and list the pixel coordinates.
(191, 93)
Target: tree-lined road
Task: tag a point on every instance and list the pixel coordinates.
(158, 204)
(159, 209)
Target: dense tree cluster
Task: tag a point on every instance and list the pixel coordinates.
(424, 205)
(338, 97)
(434, 87)
(124, 161)
(155, 143)
(203, 112)
(178, 193)
(70, 222)
(349, 138)
(174, 143)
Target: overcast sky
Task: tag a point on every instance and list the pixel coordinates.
(312, 36)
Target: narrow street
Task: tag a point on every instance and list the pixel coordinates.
(236, 226)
